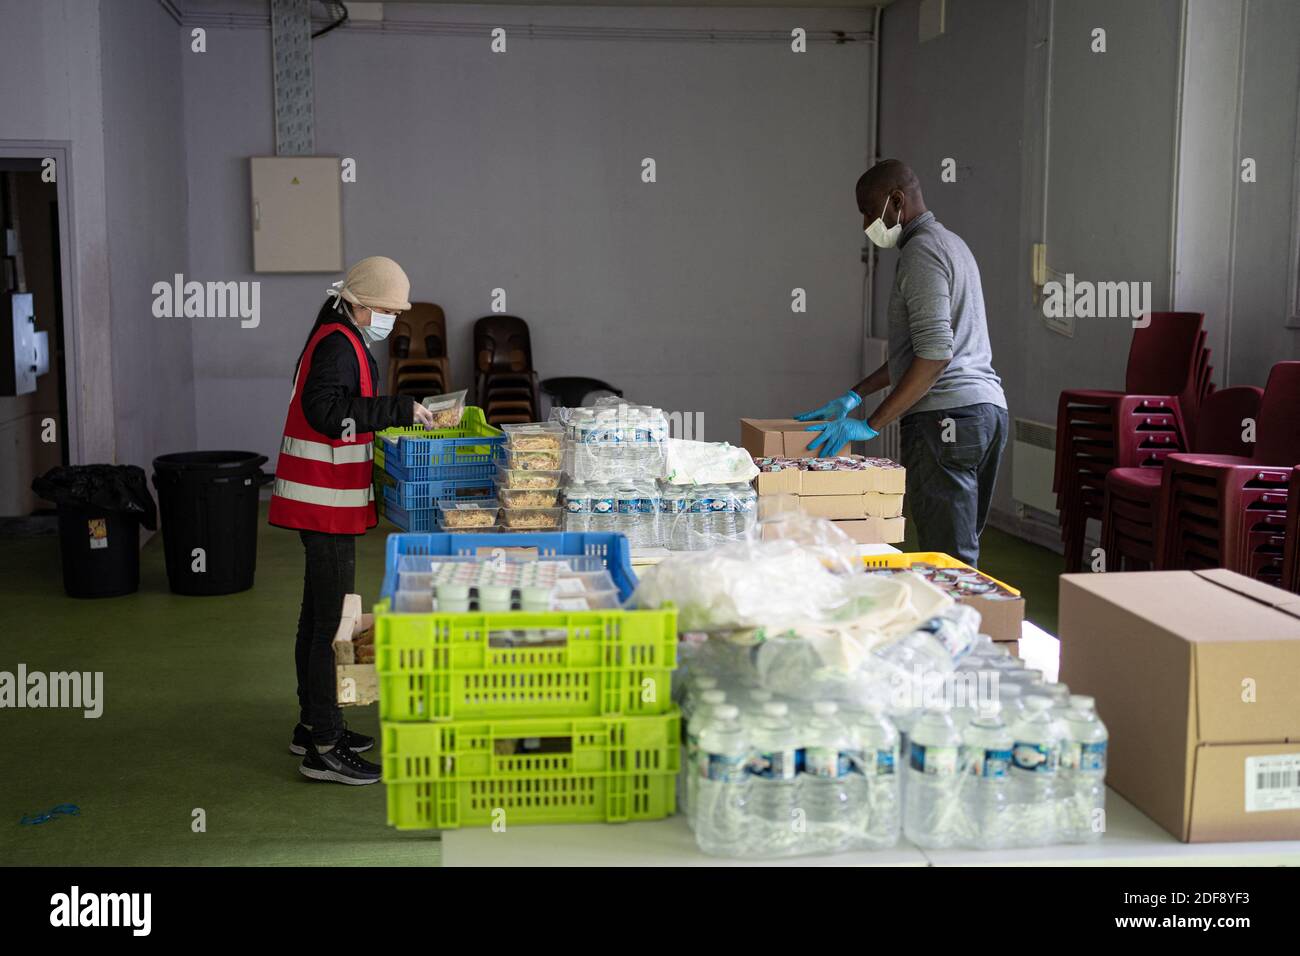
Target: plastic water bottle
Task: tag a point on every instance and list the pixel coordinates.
(875, 764)
(746, 509)
(773, 796)
(703, 712)
(1011, 697)
(699, 508)
(577, 507)
(826, 793)
(1083, 771)
(987, 794)
(604, 507)
(722, 826)
(672, 504)
(647, 508)
(722, 523)
(751, 709)
(696, 686)
(1035, 763)
(932, 804)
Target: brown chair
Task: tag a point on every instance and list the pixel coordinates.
(419, 345)
(506, 384)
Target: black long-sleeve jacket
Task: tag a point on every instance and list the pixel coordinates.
(332, 392)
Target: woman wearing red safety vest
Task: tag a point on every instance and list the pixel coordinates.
(324, 491)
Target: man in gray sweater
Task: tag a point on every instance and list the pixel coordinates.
(950, 400)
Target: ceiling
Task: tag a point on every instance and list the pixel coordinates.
(393, 10)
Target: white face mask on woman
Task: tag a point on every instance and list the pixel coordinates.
(883, 236)
(381, 323)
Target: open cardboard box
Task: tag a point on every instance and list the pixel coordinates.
(1197, 677)
(354, 659)
(781, 438)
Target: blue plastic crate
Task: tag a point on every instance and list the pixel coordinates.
(424, 495)
(482, 471)
(425, 520)
(611, 548)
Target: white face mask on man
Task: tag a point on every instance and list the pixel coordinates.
(381, 323)
(886, 237)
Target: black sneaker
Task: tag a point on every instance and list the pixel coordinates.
(339, 765)
(300, 746)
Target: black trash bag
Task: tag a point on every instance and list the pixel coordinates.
(114, 489)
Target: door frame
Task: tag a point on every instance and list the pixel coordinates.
(60, 151)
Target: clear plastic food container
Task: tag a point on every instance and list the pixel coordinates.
(461, 514)
(531, 519)
(549, 460)
(469, 529)
(535, 436)
(519, 478)
(529, 497)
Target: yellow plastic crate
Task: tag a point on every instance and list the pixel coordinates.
(937, 558)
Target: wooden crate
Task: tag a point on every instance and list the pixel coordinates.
(356, 683)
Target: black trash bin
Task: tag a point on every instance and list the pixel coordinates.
(101, 508)
(100, 552)
(208, 504)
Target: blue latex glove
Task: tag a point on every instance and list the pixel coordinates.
(835, 434)
(833, 410)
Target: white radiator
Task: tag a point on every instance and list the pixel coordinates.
(1033, 465)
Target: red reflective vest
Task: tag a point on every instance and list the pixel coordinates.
(323, 483)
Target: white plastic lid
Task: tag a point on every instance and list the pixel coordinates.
(703, 682)
(1036, 702)
(713, 696)
(1082, 702)
(826, 708)
(760, 695)
(1010, 690)
(726, 712)
(776, 708)
(989, 708)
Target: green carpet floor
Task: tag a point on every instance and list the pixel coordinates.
(198, 708)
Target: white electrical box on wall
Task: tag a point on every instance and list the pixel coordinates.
(297, 214)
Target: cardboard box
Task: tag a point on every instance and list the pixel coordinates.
(1196, 676)
(1000, 619)
(791, 481)
(852, 507)
(356, 681)
(872, 530)
(781, 438)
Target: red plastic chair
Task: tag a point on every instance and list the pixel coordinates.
(1130, 512)
(1291, 547)
(1231, 511)
(1099, 430)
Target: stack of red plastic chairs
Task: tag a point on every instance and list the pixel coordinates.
(1231, 511)
(1167, 378)
(1132, 507)
(1291, 547)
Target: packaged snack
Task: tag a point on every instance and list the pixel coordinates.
(468, 514)
(535, 436)
(519, 478)
(529, 497)
(531, 519)
(447, 409)
(533, 460)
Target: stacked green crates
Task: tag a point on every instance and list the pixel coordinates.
(482, 725)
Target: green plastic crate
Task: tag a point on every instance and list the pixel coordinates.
(531, 771)
(438, 667)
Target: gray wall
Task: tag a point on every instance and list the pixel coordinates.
(521, 171)
(50, 75)
(144, 161)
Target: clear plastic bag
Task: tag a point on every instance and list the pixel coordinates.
(447, 409)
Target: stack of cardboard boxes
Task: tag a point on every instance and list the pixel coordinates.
(863, 497)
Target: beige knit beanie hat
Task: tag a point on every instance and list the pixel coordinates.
(375, 282)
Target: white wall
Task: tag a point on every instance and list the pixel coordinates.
(144, 159)
(521, 171)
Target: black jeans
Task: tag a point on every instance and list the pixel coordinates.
(951, 456)
(331, 573)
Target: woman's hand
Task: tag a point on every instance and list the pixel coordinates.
(423, 416)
